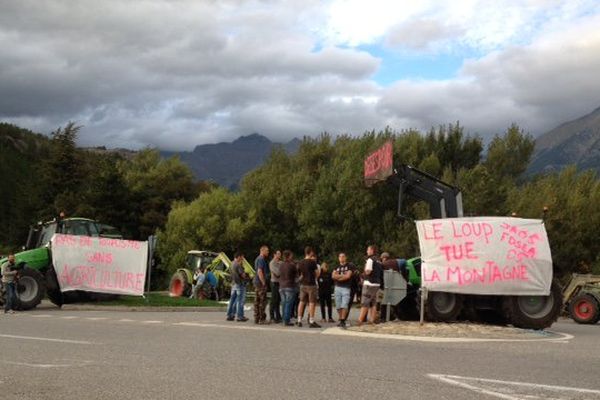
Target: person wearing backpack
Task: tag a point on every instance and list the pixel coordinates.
(372, 283)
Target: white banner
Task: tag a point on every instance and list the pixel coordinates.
(97, 264)
(485, 255)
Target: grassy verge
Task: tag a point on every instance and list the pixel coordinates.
(158, 300)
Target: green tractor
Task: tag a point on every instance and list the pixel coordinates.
(216, 263)
(36, 273)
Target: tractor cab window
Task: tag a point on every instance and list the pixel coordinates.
(46, 234)
(80, 228)
(193, 261)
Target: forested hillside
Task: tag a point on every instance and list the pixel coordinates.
(43, 176)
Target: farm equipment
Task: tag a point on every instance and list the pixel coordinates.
(582, 298)
(216, 263)
(445, 201)
(36, 273)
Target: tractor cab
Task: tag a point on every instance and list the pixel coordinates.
(41, 234)
(199, 259)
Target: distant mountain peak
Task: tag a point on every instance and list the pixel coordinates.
(226, 163)
(573, 142)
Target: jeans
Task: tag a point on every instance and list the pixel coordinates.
(342, 297)
(274, 307)
(11, 293)
(236, 302)
(288, 297)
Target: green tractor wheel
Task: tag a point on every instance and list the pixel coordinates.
(31, 288)
(443, 306)
(534, 312)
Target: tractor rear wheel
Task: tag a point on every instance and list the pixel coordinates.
(584, 309)
(31, 288)
(443, 306)
(179, 285)
(534, 312)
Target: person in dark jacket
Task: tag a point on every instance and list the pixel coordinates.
(325, 291)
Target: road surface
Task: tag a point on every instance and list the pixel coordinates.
(59, 354)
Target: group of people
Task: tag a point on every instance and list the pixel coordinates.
(298, 285)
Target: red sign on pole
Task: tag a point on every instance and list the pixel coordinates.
(379, 164)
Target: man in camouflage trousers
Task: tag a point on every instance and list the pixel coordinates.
(261, 265)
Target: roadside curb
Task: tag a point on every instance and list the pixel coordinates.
(85, 307)
(559, 337)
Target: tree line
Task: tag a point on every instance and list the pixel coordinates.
(317, 197)
(42, 176)
(314, 197)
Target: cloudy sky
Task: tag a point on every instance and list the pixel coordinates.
(177, 73)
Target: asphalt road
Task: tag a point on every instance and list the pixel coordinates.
(56, 354)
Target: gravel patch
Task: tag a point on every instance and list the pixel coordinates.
(453, 330)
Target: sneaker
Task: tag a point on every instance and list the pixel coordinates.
(243, 319)
(331, 320)
(288, 324)
(11, 311)
(263, 322)
(342, 324)
(314, 325)
(230, 319)
(299, 324)
(323, 320)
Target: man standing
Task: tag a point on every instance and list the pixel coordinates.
(261, 281)
(342, 277)
(309, 271)
(371, 285)
(9, 276)
(239, 279)
(287, 286)
(274, 307)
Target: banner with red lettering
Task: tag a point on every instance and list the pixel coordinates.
(97, 264)
(485, 255)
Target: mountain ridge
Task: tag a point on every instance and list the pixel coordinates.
(226, 163)
(572, 142)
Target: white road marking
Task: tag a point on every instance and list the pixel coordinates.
(42, 316)
(46, 339)
(24, 364)
(245, 327)
(96, 318)
(126, 320)
(510, 389)
(69, 317)
(561, 338)
(151, 322)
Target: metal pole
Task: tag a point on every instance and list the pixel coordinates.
(423, 299)
(150, 253)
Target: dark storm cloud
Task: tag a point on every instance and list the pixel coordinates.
(177, 73)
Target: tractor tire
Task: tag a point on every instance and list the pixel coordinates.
(31, 287)
(179, 285)
(443, 306)
(52, 288)
(534, 312)
(407, 309)
(584, 309)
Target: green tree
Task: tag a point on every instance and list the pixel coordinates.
(154, 184)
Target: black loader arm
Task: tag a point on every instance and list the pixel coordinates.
(445, 201)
